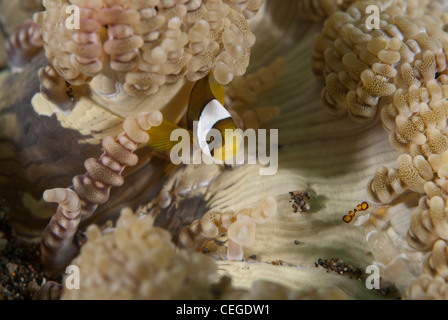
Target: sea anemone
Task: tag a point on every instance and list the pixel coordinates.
(361, 117)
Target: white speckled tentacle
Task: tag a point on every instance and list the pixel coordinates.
(105, 172)
(91, 189)
(57, 247)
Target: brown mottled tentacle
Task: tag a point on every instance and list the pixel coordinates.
(54, 88)
(23, 44)
(57, 248)
(92, 189)
(94, 186)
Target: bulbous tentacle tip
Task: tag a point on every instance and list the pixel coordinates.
(66, 198)
(57, 248)
(50, 290)
(150, 43)
(269, 206)
(56, 195)
(153, 118)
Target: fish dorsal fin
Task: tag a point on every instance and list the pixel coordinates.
(218, 91)
(200, 96)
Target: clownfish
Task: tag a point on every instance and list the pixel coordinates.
(206, 108)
